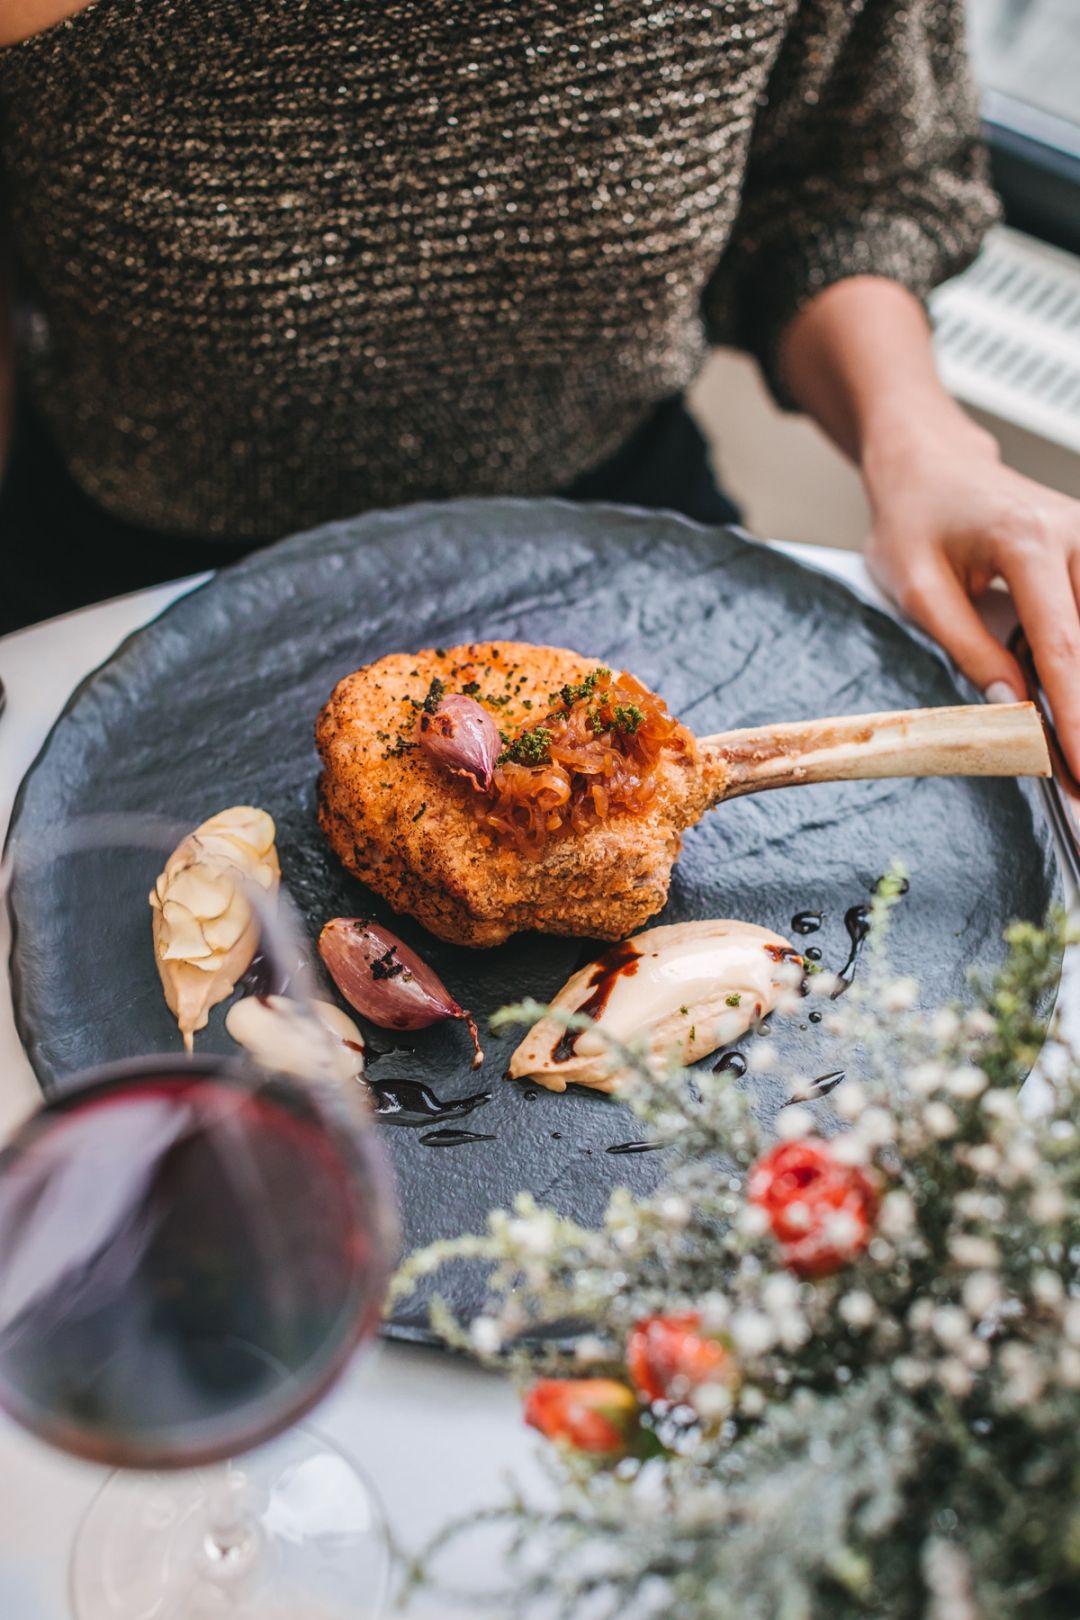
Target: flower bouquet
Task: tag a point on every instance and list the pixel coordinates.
(832, 1373)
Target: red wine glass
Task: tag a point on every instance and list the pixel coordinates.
(194, 1249)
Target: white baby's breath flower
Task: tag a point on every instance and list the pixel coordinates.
(842, 1231)
(752, 1400)
(1023, 1159)
(533, 1234)
(976, 1354)
(955, 1377)
(1048, 1206)
(797, 1216)
(858, 1309)
(850, 1148)
(876, 1126)
(793, 1123)
(779, 1293)
(1068, 1366)
(712, 1402)
(824, 985)
(981, 1293)
(940, 1120)
(1071, 1321)
(1000, 1104)
(984, 1159)
(792, 1329)
(921, 1315)
(1026, 1379)
(486, 1335)
(900, 995)
(590, 1349)
(763, 1057)
(715, 1313)
(925, 1078)
(910, 1372)
(752, 1331)
(966, 1082)
(850, 1100)
(1047, 1287)
(789, 975)
(974, 1253)
(944, 1026)
(950, 1326)
(979, 1023)
(674, 1210)
(753, 1220)
(897, 1216)
(625, 1238)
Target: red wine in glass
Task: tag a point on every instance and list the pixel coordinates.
(193, 1252)
(191, 1257)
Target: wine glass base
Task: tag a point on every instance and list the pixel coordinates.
(293, 1531)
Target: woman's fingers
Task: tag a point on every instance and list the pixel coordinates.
(934, 597)
(1043, 586)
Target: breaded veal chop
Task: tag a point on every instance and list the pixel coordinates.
(406, 828)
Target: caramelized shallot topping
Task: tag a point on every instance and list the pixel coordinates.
(592, 756)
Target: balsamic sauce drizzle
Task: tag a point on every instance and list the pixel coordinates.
(452, 1138)
(817, 1088)
(635, 1147)
(806, 922)
(621, 961)
(410, 1102)
(857, 923)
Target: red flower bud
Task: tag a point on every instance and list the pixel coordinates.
(668, 1357)
(821, 1213)
(596, 1415)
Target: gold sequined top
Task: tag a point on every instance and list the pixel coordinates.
(289, 259)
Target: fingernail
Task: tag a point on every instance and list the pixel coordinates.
(1000, 692)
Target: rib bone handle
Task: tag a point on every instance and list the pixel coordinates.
(977, 740)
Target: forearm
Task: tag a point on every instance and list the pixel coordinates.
(858, 359)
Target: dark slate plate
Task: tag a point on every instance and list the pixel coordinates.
(213, 704)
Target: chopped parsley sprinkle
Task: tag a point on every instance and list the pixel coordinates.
(693, 1032)
(734, 999)
(530, 748)
(420, 812)
(684, 1009)
(435, 694)
(569, 695)
(471, 688)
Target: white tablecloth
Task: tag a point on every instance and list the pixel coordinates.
(436, 1435)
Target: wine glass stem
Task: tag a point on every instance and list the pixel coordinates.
(230, 1541)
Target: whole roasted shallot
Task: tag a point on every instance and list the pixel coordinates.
(387, 982)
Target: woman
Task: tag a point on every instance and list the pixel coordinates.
(282, 260)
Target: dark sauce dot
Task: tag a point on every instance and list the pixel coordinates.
(815, 1017)
(556, 1136)
(813, 953)
(806, 922)
(730, 1063)
(530, 1094)
(634, 1147)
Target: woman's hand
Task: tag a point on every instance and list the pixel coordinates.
(948, 519)
(947, 516)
